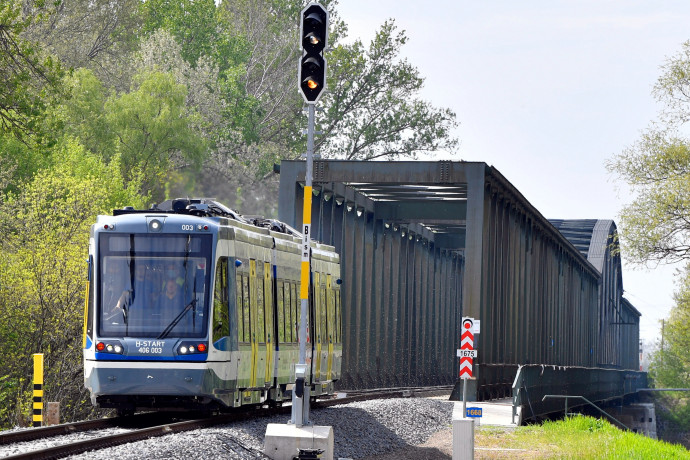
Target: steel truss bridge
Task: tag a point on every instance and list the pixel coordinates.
(424, 243)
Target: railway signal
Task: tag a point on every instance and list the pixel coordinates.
(314, 38)
(312, 82)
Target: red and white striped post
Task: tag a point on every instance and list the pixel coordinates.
(466, 353)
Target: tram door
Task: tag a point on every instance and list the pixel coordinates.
(244, 328)
(316, 363)
(261, 315)
(330, 325)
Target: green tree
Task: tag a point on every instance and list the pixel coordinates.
(153, 129)
(655, 226)
(20, 158)
(657, 169)
(191, 22)
(150, 128)
(45, 228)
(161, 53)
(28, 76)
(373, 109)
(671, 369)
(81, 113)
(670, 365)
(96, 34)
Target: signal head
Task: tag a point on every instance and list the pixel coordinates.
(312, 66)
(314, 30)
(312, 76)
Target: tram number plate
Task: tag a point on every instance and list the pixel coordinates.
(467, 353)
(150, 350)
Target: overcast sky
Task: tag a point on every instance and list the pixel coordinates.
(545, 91)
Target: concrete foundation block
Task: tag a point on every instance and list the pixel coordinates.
(283, 441)
(463, 435)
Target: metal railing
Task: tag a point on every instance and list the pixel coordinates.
(532, 382)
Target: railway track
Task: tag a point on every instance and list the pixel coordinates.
(160, 424)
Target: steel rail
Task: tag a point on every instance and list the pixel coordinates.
(76, 427)
(177, 427)
(82, 446)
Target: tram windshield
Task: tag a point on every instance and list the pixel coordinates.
(153, 285)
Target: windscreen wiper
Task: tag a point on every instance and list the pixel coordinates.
(124, 309)
(177, 319)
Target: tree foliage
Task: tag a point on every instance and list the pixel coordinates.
(373, 107)
(671, 369)
(670, 365)
(94, 34)
(28, 75)
(42, 277)
(656, 224)
(191, 22)
(151, 128)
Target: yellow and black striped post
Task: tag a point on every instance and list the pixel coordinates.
(38, 389)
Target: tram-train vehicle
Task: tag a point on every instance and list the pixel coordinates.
(193, 306)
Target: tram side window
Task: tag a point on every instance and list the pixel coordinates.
(338, 318)
(268, 302)
(288, 313)
(243, 329)
(324, 315)
(318, 333)
(331, 315)
(281, 312)
(246, 309)
(261, 332)
(294, 311)
(221, 318)
(238, 306)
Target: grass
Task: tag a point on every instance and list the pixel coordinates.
(574, 438)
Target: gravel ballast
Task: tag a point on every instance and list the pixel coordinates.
(361, 429)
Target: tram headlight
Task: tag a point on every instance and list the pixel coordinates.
(192, 348)
(155, 225)
(110, 346)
